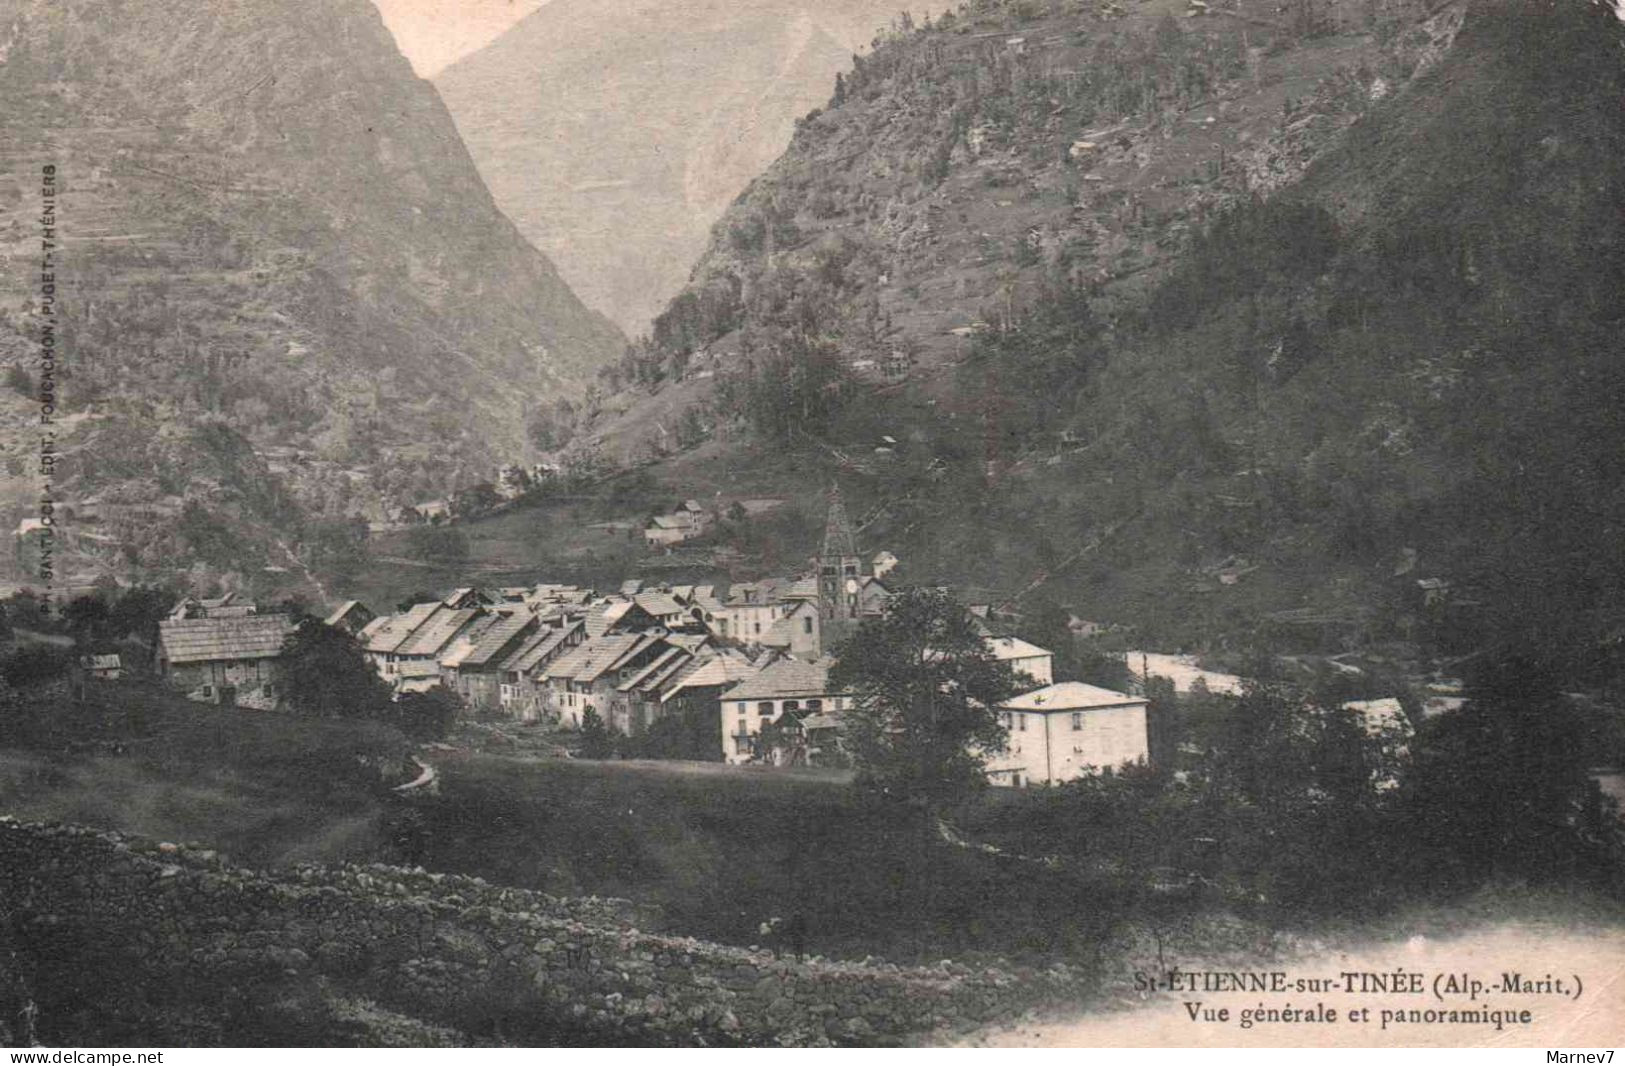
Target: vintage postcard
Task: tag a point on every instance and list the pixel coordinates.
(812, 523)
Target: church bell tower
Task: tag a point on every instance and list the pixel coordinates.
(839, 566)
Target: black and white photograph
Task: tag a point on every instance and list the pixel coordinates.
(985, 524)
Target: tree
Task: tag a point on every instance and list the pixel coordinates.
(86, 617)
(925, 688)
(414, 599)
(440, 543)
(1293, 796)
(476, 500)
(427, 715)
(329, 677)
(1500, 786)
(138, 611)
(597, 742)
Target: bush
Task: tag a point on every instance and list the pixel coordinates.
(426, 716)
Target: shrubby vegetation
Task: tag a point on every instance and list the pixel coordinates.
(328, 676)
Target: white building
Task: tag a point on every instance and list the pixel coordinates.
(786, 687)
(1024, 658)
(1069, 730)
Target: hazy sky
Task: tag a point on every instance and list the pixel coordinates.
(435, 33)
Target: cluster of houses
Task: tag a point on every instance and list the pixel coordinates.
(753, 658)
(687, 521)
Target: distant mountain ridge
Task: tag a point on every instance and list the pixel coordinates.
(1297, 321)
(273, 233)
(614, 132)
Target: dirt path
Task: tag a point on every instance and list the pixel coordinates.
(1595, 1019)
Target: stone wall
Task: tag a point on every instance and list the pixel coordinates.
(452, 950)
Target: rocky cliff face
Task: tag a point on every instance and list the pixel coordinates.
(271, 231)
(615, 133)
(1253, 297)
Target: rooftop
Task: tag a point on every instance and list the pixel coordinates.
(436, 633)
(1071, 696)
(494, 639)
(202, 640)
(540, 648)
(785, 679)
(342, 610)
(385, 635)
(1006, 649)
(589, 661)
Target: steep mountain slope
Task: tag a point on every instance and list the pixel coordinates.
(277, 256)
(1294, 324)
(614, 133)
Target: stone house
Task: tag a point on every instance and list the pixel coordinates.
(227, 661)
(524, 691)
(475, 672)
(782, 693)
(591, 675)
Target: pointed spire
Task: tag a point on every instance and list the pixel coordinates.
(838, 540)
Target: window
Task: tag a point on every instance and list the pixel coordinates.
(270, 688)
(741, 708)
(814, 706)
(765, 708)
(1022, 720)
(791, 705)
(806, 625)
(1077, 720)
(758, 628)
(208, 692)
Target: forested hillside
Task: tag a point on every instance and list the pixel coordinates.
(1293, 323)
(287, 299)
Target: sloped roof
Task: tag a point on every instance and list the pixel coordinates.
(1070, 696)
(434, 634)
(395, 630)
(659, 665)
(540, 648)
(231, 610)
(600, 655)
(801, 588)
(601, 618)
(1006, 649)
(101, 662)
(202, 640)
(492, 642)
(655, 680)
(343, 610)
(590, 660)
(462, 647)
(657, 603)
(1379, 715)
(720, 670)
(785, 679)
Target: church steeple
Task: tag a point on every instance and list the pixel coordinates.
(839, 566)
